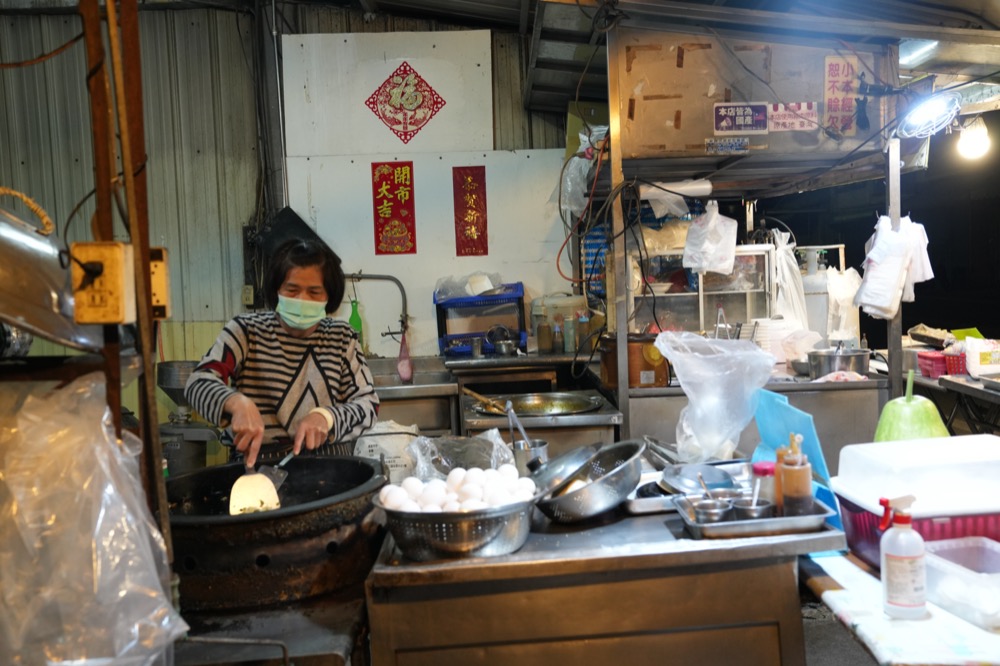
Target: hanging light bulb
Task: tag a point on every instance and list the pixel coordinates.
(974, 142)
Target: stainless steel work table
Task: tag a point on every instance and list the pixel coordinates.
(979, 406)
(616, 589)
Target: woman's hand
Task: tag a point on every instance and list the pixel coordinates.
(312, 432)
(248, 426)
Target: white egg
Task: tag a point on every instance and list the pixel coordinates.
(527, 484)
(456, 477)
(490, 475)
(386, 489)
(470, 491)
(508, 483)
(474, 475)
(413, 486)
(432, 495)
(395, 497)
(474, 505)
(451, 496)
(409, 506)
(430, 508)
(451, 506)
(497, 496)
(436, 483)
(508, 470)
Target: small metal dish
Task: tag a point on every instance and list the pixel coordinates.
(712, 510)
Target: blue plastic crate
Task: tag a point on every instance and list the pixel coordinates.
(511, 294)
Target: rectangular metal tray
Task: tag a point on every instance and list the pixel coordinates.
(747, 528)
(991, 381)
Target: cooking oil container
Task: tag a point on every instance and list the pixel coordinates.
(647, 367)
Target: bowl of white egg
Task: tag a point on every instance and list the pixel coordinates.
(472, 512)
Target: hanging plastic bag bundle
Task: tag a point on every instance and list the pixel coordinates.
(711, 242)
(720, 379)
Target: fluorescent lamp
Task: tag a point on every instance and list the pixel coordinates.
(974, 142)
(912, 51)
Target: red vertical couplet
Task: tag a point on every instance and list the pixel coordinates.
(469, 191)
(392, 206)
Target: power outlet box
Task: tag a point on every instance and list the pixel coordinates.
(248, 295)
(108, 298)
(159, 283)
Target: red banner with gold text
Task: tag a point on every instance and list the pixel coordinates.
(392, 204)
(469, 190)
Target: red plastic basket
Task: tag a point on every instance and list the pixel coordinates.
(932, 364)
(955, 363)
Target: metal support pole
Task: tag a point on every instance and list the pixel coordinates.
(618, 317)
(894, 327)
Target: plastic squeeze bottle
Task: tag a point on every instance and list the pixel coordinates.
(904, 573)
(355, 322)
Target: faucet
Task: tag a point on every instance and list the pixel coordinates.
(403, 317)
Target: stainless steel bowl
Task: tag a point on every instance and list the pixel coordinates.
(824, 361)
(602, 483)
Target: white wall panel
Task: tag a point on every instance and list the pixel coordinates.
(334, 195)
(328, 78)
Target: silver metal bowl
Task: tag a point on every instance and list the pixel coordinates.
(483, 533)
(602, 483)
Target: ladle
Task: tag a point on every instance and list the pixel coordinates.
(701, 480)
(512, 418)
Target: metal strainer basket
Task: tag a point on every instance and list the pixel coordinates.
(482, 533)
(607, 477)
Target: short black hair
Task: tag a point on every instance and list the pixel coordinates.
(299, 253)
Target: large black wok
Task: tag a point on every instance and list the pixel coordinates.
(323, 538)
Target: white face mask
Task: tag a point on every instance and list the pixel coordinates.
(299, 313)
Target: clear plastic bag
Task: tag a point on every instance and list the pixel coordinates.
(711, 242)
(436, 456)
(82, 563)
(720, 379)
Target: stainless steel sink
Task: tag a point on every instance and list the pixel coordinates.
(430, 378)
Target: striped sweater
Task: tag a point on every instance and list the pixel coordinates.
(286, 376)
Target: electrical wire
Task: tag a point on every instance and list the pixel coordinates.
(42, 58)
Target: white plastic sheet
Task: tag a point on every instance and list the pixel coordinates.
(81, 560)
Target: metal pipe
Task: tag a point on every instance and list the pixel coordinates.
(403, 317)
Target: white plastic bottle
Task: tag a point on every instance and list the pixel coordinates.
(904, 574)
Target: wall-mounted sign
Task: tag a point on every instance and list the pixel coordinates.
(794, 116)
(730, 145)
(392, 204)
(469, 190)
(840, 85)
(405, 102)
(740, 118)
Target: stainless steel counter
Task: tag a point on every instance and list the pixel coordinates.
(617, 588)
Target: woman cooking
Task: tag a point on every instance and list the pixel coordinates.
(292, 373)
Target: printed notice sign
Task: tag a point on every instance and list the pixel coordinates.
(840, 88)
(731, 145)
(793, 116)
(740, 118)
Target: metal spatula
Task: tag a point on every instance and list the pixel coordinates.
(276, 473)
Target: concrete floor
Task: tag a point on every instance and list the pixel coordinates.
(828, 642)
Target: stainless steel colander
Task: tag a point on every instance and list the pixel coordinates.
(607, 478)
(482, 533)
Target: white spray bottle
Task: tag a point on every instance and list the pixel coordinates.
(904, 574)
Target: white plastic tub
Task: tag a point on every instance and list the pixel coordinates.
(963, 577)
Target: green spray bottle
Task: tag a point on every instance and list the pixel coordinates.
(355, 322)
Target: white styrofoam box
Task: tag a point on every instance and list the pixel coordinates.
(963, 577)
(949, 476)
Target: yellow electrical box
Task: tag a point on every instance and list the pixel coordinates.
(159, 283)
(103, 282)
